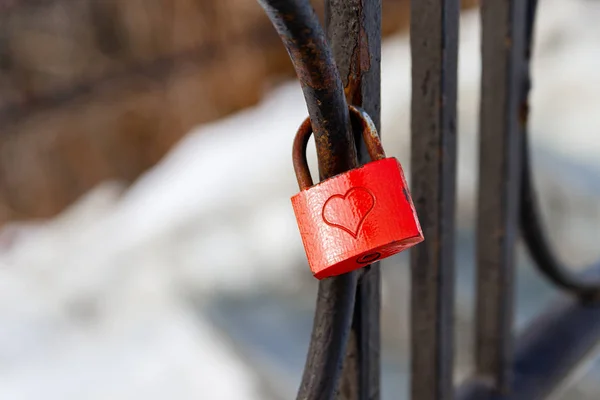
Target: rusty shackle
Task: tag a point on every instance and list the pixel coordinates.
(359, 118)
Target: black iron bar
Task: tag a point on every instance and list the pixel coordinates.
(353, 30)
(434, 45)
(305, 41)
(503, 30)
(559, 339)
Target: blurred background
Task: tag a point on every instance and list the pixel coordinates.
(148, 249)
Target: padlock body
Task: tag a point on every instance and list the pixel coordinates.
(355, 218)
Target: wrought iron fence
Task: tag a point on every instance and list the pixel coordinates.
(341, 65)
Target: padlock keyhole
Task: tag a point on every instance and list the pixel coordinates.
(368, 258)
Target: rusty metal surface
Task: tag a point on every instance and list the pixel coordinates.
(434, 47)
(299, 155)
(305, 42)
(361, 123)
(346, 22)
(304, 39)
(503, 28)
(354, 33)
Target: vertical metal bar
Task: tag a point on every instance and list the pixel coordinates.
(552, 346)
(503, 24)
(434, 48)
(354, 32)
(328, 342)
(306, 44)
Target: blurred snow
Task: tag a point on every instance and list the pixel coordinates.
(95, 303)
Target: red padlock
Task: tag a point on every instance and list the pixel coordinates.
(353, 219)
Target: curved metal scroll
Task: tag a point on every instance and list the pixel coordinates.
(307, 46)
(534, 236)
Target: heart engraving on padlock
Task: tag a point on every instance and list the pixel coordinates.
(355, 204)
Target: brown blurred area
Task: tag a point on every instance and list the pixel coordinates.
(92, 90)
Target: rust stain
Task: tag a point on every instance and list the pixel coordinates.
(360, 62)
(311, 65)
